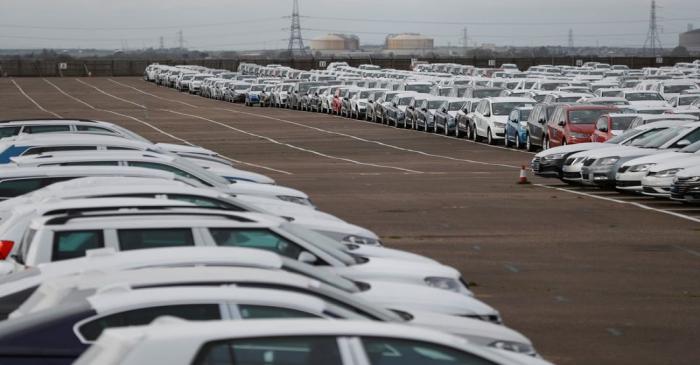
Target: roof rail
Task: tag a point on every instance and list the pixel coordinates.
(48, 120)
(75, 211)
(67, 218)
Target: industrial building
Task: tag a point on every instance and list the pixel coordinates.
(336, 42)
(408, 41)
(690, 40)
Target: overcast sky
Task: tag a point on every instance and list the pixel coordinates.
(258, 24)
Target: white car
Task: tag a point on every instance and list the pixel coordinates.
(642, 98)
(491, 116)
(308, 341)
(660, 178)
(176, 165)
(128, 230)
(573, 156)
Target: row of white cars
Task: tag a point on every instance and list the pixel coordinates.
(118, 250)
(644, 117)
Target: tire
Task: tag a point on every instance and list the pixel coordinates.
(447, 130)
(506, 142)
(563, 142)
(489, 137)
(528, 144)
(545, 143)
(517, 143)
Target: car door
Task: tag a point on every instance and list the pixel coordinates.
(480, 116)
(512, 126)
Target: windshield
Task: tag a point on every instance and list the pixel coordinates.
(241, 87)
(638, 136)
(418, 88)
(435, 104)
(658, 139)
(199, 78)
(455, 106)
(327, 245)
(586, 116)
(525, 114)
(622, 123)
(287, 88)
(551, 86)
(404, 101)
(688, 100)
(486, 93)
(506, 108)
(676, 89)
(201, 172)
(364, 95)
(568, 99)
(257, 88)
(643, 97)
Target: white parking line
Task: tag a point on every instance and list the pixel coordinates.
(110, 95)
(153, 95)
(639, 205)
(34, 101)
(370, 140)
(158, 129)
(272, 140)
(687, 250)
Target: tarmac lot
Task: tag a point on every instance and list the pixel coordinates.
(595, 278)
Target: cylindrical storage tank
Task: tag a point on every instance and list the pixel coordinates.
(408, 41)
(336, 42)
(690, 40)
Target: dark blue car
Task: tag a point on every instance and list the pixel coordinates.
(516, 127)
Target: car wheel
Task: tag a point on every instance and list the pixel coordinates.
(563, 143)
(517, 143)
(545, 144)
(528, 144)
(506, 142)
(489, 137)
(447, 130)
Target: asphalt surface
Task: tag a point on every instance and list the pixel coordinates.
(589, 280)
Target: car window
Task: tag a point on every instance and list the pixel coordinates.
(136, 239)
(602, 123)
(38, 150)
(9, 131)
(266, 312)
(386, 351)
(17, 187)
(33, 129)
(159, 166)
(89, 163)
(271, 351)
(205, 202)
(691, 137)
(255, 238)
(91, 330)
(72, 244)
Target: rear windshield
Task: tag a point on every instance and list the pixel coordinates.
(586, 116)
(643, 97)
(418, 88)
(622, 123)
(506, 108)
(486, 93)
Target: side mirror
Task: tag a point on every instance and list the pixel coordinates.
(444, 110)
(487, 114)
(541, 121)
(561, 123)
(394, 104)
(424, 109)
(603, 129)
(307, 258)
(683, 143)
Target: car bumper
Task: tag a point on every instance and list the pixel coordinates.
(630, 181)
(547, 168)
(686, 191)
(598, 176)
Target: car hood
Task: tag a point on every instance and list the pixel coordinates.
(474, 330)
(282, 208)
(691, 160)
(390, 253)
(656, 158)
(650, 103)
(422, 298)
(179, 148)
(229, 172)
(628, 152)
(250, 188)
(574, 148)
(614, 150)
(582, 128)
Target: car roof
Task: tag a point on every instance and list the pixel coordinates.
(73, 156)
(59, 138)
(7, 172)
(121, 297)
(507, 99)
(49, 120)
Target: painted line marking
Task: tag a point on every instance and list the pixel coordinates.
(153, 95)
(511, 268)
(34, 101)
(614, 331)
(110, 95)
(639, 205)
(687, 250)
(272, 140)
(369, 140)
(158, 129)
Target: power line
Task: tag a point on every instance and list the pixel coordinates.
(499, 23)
(181, 26)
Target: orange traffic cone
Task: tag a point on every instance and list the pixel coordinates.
(523, 176)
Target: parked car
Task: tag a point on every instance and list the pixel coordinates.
(571, 124)
(516, 127)
(489, 119)
(611, 125)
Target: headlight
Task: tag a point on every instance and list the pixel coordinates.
(555, 156)
(641, 168)
(694, 179)
(295, 199)
(360, 240)
(521, 348)
(499, 125)
(523, 123)
(579, 135)
(608, 161)
(447, 284)
(667, 173)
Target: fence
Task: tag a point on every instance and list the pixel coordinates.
(118, 67)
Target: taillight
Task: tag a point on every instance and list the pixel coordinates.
(6, 248)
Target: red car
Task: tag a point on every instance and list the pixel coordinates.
(337, 103)
(571, 124)
(611, 125)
